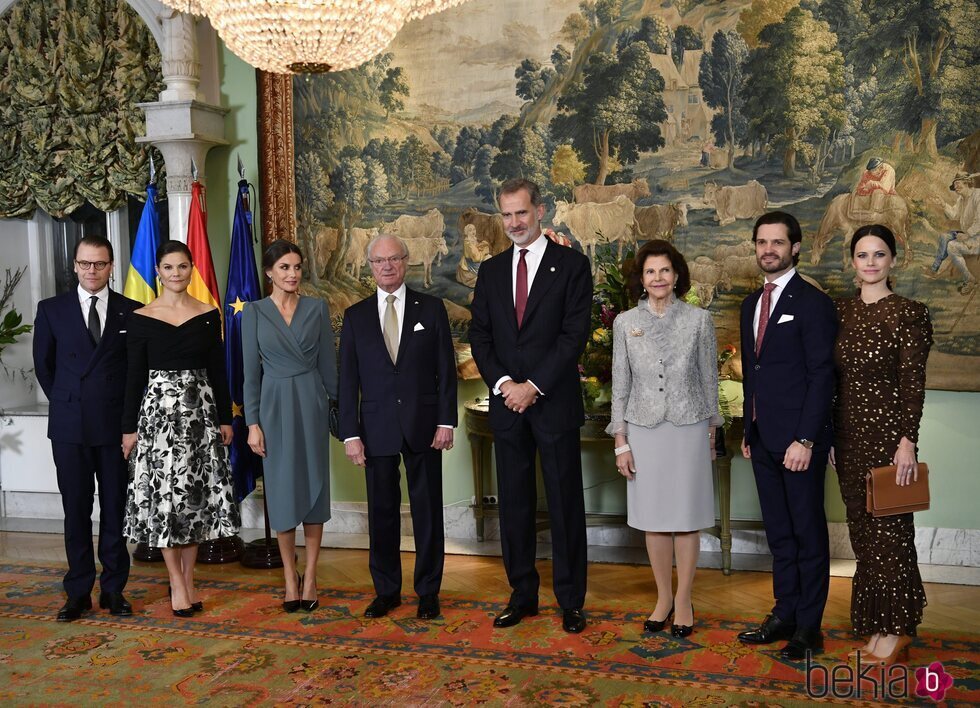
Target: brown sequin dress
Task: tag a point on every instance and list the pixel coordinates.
(881, 363)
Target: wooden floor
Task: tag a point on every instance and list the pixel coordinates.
(743, 594)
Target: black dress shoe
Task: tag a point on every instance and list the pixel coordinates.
(74, 608)
(382, 605)
(803, 641)
(428, 607)
(771, 630)
(115, 603)
(658, 625)
(513, 614)
(573, 621)
(184, 612)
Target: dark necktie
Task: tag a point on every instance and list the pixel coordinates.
(520, 299)
(94, 323)
(764, 314)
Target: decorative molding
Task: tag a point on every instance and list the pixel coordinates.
(277, 190)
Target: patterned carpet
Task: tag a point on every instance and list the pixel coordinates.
(243, 650)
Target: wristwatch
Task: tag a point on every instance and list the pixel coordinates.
(808, 444)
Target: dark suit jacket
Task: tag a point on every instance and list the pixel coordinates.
(791, 382)
(407, 399)
(547, 348)
(84, 383)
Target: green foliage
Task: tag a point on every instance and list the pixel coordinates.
(685, 37)
(391, 88)
(11, 325)
(560, 58)
(566, 167)
(486, 187)
(794, 87)
(760, 14)
(522, 154)
(575, 29)
(654, 32)
(467, 143)
(614, 111)
(532, 79)
(414, 166)
(610, 297)
(722, 77)
(72, 75)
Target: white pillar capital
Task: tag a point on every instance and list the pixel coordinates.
(179, 57)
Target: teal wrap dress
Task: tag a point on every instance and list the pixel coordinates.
(290, 373)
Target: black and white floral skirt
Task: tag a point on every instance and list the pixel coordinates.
(180, 487)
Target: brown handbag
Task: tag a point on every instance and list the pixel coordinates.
(885, 498)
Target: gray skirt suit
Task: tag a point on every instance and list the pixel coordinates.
(664, 397)
(290, 373)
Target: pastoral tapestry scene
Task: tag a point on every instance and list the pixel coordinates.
(673, 119)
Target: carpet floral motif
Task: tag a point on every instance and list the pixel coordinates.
(243, 650)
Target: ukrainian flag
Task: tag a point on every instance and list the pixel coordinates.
(141, 281)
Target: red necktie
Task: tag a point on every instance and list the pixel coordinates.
(764, 314)
(520, 299)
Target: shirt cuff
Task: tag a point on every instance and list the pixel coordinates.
(500, 382)
(540, 393)
(451, 427)
(347, 440)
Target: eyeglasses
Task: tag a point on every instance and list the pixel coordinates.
(88, 265)
(390, 260)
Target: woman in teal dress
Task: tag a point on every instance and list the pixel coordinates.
(290, 373)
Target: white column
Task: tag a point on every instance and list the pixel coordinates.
(180, 124)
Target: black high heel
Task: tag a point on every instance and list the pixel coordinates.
(195, 606)
(682, 630)
(658, 625)
(293, 605)
(310, 605)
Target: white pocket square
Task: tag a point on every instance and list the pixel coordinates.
(785, 318)
(418, 327)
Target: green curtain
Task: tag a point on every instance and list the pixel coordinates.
(71, 74)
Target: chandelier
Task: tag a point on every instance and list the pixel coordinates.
(308, 36)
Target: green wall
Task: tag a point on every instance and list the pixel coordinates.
(948, 436)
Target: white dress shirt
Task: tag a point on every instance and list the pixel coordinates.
(535, 252)
(780, 284)
(101, 305)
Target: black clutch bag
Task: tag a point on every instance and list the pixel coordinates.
(333, 419)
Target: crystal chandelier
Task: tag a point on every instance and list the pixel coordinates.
(308, 36)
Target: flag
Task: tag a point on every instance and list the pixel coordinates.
(243, 287)
(204, 283)
(141, 281)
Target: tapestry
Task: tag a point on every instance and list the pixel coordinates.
(677, 119)
(243, 650)
(71, 75)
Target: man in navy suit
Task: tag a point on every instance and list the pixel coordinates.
(788, 330)
(396, 355)
(80, 362)
(531, 320)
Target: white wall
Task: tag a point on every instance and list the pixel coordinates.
(15, 253)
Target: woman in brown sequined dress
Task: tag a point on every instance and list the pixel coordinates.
(881, 352)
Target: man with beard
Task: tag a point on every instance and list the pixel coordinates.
(788, 330)
(531, 319)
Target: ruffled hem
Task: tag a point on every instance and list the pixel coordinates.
(896, 609)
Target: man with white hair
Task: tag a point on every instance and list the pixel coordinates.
(398, 401)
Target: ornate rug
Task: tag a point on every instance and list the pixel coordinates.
(243, 650)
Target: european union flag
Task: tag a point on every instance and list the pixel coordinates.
(141, 281)
(243, 286)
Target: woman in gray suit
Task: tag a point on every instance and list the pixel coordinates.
(664, 413)
(290, 373)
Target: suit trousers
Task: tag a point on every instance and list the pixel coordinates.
(561, 468)
(796, 529)
(423, 471)
(78, 468)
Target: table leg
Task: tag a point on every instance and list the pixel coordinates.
(477, 451)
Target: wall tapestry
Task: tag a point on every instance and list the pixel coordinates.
(675, 119)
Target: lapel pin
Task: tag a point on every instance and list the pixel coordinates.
(552, 269)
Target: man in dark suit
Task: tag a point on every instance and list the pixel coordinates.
(531, 320)
(788, 330)
(80, 362)
(396, 354)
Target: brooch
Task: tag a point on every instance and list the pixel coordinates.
(636, 332)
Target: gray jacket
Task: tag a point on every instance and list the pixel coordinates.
(664, 368)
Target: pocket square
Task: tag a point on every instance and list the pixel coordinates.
(785, 318)
(122, 331)
(418, 327)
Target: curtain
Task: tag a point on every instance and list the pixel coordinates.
(71, 74)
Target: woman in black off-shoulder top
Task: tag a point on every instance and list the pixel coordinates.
(177, 426)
